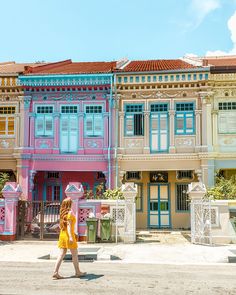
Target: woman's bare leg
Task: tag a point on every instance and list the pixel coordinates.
(58, 263)
(74, 253)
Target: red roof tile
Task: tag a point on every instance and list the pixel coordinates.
(69, 67)
(157, 65)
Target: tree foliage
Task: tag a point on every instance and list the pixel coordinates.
(224, 189)
(4, 177)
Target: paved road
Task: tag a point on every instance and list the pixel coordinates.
(116, 278)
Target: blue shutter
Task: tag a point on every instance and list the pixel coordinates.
(89, 125)
(98, 125)
(129, 123)
(39, 128)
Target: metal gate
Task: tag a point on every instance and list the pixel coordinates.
(38, 220)
(201, 222)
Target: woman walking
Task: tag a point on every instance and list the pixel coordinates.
(67, 239)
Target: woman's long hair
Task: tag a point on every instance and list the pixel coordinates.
(64, 210)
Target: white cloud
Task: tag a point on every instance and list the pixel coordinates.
(232, 28)
(199, 9)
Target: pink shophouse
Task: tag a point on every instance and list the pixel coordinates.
(68, 126)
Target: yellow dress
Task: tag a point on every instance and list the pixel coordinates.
(64, 236)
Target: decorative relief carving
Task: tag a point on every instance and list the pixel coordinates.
(44, 143)
(227, 141)
(134, 143)
(145, 94)
(93, 143)
(7, 143)
(185, 141)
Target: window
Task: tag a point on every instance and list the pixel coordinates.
(149, 78)
(159, 107)
(7, 121)
(137, 79)
(184, 174)
(134, 120)
(44, 121)
(133, 175)
(143, 79)
(227, 117)
(154, 78)
(131, 79)
(160, 78)
(206, 76)
(184, 123)
(69, 109)
(182, 203)
(194, 76)
(93, 121)
(125, 79)
(189, 77)
(119, 79)
(200, 76)
(172, 78)
(183, 77)
(166, 78)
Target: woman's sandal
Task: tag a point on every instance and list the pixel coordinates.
(57, 277)
(81, 274)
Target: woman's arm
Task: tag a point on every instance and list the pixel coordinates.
(69, 227)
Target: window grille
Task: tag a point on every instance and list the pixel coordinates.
(93, 109)
(227, 105)
(184, 174)
(133, 175)
(159, 107)
(7, 110)
(182, 203)
(53, 175)
(44, 110)
(69, 109)
(184, 107)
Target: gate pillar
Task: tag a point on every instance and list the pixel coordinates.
(75, 191)
(129, 189)
(11, 193)
(200, 209)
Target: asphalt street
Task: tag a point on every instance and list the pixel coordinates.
(117, 278)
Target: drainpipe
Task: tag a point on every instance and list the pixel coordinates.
(110, 139)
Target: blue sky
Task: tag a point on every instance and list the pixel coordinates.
(96, 30)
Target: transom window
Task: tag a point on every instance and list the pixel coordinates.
(182, 203)
(7, 110)
(69, 109)
(93, 109)
(227, 105)
(53, 175)
(44, 109)
(7, 121)
(184, 107)
(134, 124)
(159, 107)
(133, 175)
(184, 174)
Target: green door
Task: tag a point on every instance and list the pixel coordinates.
(158, 206)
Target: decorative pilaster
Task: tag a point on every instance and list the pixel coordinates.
(215, 130)
(106, 128)
(17, 128)
(172, 131)
(121, 141)
(81, 132)
(31, 180)
(198, 130)
(206, 123)
(121, 177)
(32, 129)
(56, 138)
(146, 149)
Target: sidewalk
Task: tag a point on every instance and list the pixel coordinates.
(151, 253)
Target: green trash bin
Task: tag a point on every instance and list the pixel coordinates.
(105, 229)
(91, 230)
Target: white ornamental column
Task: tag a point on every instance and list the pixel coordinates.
(121, 137)
(172, 131)
(129, 189)
(146, 149)
(198, 130)
(215, 130)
